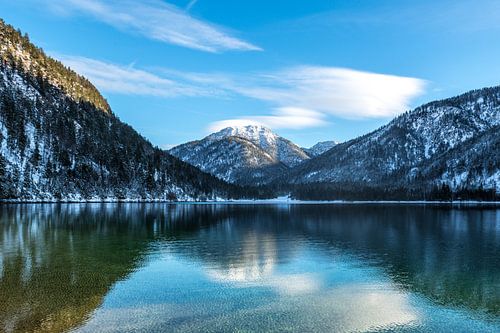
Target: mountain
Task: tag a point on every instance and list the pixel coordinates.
(320, 148)
(274, 145)
(59, 139)
(244, 155)
(233, 159)
(17, 51)
(452, 143)
(474, 164)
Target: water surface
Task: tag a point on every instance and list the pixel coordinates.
(226, 268)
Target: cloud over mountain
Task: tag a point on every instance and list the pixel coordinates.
(295, 97)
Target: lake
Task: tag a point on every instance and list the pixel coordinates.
(227, 268)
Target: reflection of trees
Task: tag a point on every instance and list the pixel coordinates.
(243, 244)
(450, 256)
(58, 261)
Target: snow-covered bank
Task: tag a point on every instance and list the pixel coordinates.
(274, 201)
(284, 200)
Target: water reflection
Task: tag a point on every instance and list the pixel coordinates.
(119, 267)
(58, 262)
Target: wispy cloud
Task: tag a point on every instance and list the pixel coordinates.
(157, 20)
(284, 117)
(342, 92)
(440, 17)
(128, 80)
(191, 4)
(306, 95)
(303, 96)
(298, 97)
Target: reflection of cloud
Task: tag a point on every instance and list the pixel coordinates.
(255, 261)
(355, 306)
(285, 284)
(349, 308)
(295, 284)
(247, 273)
(367, 307)
(255, 267)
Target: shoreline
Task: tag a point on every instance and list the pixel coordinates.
(275, 201)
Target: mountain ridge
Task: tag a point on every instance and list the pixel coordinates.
(246, 155)
(320, 147)
(289, 153)
(18, 51)
(399, 153)
(61, 142)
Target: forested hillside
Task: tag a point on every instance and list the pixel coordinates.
(59, 140)
(448, 148)
(19, 53)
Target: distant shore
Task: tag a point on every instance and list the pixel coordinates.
(274, 201)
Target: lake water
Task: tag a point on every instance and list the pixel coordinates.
(227, 268)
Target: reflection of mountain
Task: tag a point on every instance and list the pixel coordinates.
(448, 255)
(254, 261)
(58, 262)
(242, 244)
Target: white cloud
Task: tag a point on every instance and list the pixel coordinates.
(285, 117)
(191, 5)
(114, 78)
(157, 20)
(304, 96)
(298, 97)
(342, 92)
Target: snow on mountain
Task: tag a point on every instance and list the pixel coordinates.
(403, 151)
(59, 141)
(17, 49)
(274, 145)
(245, 155)
(320, 148)
(232, 159)
(471, 164)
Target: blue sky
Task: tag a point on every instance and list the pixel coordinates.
(312, 70)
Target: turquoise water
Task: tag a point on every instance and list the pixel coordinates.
(237, 268)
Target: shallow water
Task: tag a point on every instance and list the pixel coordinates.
(216, 268)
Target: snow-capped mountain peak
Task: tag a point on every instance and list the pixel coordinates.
(256, 133)
(276, 146)
(320, 147)
(242, 153)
